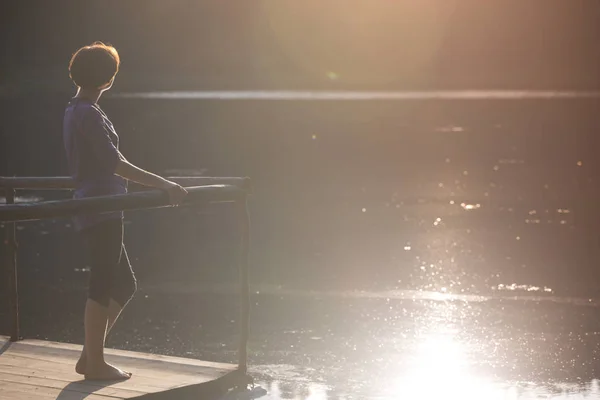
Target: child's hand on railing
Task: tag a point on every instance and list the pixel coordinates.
(175, 191)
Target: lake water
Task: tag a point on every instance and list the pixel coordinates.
(422, 248)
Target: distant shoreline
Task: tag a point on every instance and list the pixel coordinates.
(359, 95)
(324, 94)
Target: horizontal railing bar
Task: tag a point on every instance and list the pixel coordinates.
(130, 201)
(66, 183)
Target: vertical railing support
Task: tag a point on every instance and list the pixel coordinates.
(11, 267)
(244, 218)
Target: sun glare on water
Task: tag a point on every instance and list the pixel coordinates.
(440, 370)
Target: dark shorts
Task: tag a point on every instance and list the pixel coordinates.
(111, 275)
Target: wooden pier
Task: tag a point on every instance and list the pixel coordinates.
(35, 369)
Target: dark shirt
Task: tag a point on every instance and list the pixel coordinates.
(92, 148)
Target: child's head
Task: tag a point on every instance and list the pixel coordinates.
(94, 66)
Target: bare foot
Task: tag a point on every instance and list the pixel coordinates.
(105, 372)
(81, 364)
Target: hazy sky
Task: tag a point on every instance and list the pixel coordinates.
(282, 43)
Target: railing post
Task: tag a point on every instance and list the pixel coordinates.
(11, 269)
(244, 218)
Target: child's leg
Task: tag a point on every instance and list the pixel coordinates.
(125, 284)
(104, 246)
(114, 310)
(123, 289)
(96, 318)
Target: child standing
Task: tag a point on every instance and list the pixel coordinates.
(98, 168)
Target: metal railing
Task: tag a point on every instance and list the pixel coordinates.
(201, 191)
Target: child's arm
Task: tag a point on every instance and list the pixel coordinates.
(111, 158)
(135, 174)
(127, 170)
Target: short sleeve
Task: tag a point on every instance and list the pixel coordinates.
(97, 134)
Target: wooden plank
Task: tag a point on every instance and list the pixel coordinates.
(33, 369)
(142, 367)
(136, 383)
(151, 366)
(123, 353)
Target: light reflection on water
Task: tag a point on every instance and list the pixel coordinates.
(452, 387)
(439, 350)
(439, 370)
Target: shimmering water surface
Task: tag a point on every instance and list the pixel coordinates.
(420, 249)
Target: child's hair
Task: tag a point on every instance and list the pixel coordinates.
(94, 66)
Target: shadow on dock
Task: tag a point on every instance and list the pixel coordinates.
(210, 390)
